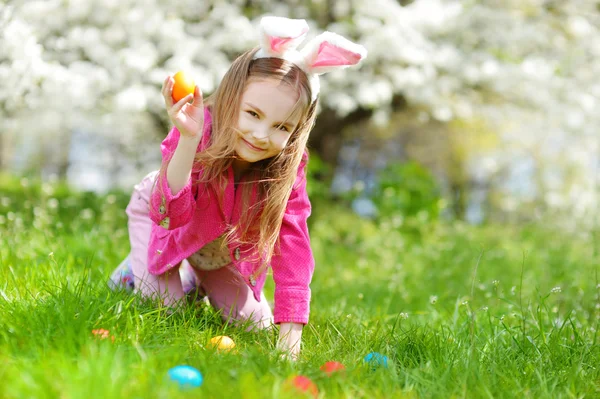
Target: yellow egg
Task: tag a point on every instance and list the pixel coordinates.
(222, 343)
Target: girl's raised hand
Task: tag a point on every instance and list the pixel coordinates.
(187, 117)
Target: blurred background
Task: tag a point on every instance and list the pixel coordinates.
(482, 111)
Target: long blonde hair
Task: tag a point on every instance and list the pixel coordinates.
(260, 222)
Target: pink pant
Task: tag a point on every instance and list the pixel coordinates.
(224, 287)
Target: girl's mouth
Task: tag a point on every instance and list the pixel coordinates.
(253, 147)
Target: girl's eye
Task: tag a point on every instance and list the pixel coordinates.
(254, 114)
(283, 128)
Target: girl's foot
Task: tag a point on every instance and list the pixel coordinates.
(122, 277)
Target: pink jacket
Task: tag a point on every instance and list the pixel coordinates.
(185, 222)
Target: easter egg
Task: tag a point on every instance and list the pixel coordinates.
(184, 85)
(302, 384)
(376, 360)
(332, 367)
(222, 343)
(186, 376)
(102, 333)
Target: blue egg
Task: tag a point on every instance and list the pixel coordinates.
(376, 360)
(186, 376)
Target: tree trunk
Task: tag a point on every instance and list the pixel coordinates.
(327, 136)
(64, 153)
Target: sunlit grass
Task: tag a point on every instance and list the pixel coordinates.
(460, 311)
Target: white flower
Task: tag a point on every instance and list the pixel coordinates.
(87, 214)
(131, 99)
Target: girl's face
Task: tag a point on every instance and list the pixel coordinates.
(264, 123)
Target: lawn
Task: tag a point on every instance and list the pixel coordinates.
(460, 311)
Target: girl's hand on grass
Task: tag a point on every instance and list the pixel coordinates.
(290, 338)
(187, 117)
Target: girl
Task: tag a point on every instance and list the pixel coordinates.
(230, 198)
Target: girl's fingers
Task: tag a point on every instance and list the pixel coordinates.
(177, 107)
(167, 91)
(165, 82)
(198, 98)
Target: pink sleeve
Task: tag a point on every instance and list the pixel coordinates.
(294, 265)
(175, 210)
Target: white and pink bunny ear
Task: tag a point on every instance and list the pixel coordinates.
(330, 51)
(280, 35)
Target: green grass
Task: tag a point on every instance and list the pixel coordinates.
(461, 311)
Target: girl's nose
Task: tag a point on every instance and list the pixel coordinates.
(260, 133)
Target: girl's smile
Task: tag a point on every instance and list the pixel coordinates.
(253, 147)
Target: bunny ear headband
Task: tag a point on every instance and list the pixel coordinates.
(279, 38)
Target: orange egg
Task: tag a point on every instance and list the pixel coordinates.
(222, 343)
(301, 384)
(332, 367)
(184, 85)
(102, 333)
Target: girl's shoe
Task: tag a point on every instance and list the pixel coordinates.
(122, 277)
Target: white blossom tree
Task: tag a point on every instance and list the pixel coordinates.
(92, 70)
